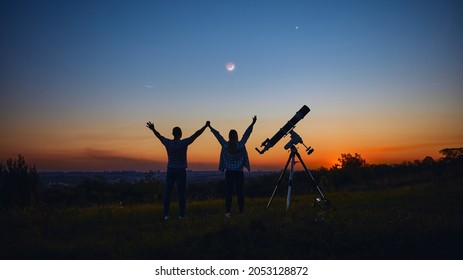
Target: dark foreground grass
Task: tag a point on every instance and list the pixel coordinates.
(418, 222)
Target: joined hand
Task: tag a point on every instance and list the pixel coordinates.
(254, 119)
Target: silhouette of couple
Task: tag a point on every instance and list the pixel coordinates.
(233, 157)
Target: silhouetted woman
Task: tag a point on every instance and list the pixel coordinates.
(233, 158)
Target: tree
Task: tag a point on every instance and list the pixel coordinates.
(428, 161)
(347, 161)
(19, 183)
(349, 171)
(452, 153)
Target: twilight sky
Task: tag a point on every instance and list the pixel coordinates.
(79, 79)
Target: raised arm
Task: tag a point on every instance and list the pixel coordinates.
(199, 132)
(150, 125)
(248, 131)
(217, 135)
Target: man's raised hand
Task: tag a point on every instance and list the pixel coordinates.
(150, 125)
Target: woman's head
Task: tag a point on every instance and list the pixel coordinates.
(233, 135)
(232, 140)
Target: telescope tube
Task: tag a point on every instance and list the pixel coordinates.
(268, 143)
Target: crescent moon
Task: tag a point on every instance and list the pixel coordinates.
(230, 66)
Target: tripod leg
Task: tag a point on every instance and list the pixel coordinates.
(290, 182)
(279, 181)
(310, 174)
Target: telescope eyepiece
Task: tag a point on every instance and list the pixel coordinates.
(264, 143)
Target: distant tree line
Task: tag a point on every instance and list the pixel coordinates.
(20, 183)
(354, 173)
(99, 190)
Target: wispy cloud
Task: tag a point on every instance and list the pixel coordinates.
(90, 159)
(400, 148)
(148, 86)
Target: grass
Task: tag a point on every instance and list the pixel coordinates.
(415, 222)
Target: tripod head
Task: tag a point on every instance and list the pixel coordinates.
(297, 139)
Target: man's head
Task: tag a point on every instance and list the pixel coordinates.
(177, 132)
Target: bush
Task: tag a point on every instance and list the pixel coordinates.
(19, 184)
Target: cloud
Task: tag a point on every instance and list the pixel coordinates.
(148, 86)
(399, 148)
(90, 159)
(111, 160)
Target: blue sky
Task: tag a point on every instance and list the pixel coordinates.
(375, 74)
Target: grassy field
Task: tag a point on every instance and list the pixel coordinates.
(415, 222)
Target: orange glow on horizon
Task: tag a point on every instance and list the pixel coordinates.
(140, 159)
(101, 146)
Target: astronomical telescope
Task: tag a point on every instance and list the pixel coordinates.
(288, 128)
(268, 143)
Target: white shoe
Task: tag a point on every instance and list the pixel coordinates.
(228, 215)
(166, 218)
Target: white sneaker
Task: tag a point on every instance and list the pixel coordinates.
(228, 215)
(166, 218)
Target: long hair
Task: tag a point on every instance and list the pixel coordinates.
(232, 141)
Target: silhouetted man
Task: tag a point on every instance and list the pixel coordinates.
(176, 167)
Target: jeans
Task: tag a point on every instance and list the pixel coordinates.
(175, 175)
(234, 180)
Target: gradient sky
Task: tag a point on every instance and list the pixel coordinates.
(79, 79)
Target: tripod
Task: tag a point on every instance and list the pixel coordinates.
(291, 159)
